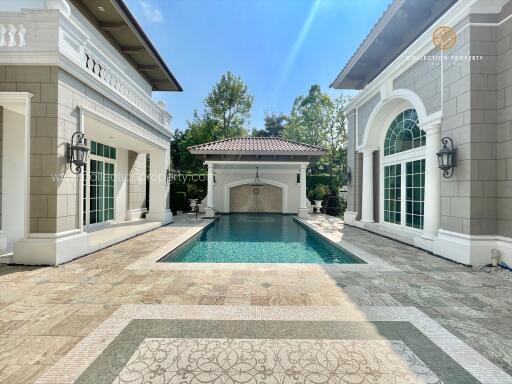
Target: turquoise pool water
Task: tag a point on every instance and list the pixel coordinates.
(259, 238)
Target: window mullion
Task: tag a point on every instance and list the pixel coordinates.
(403, 193)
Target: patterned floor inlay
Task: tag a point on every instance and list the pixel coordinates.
(161, 360)
(161, 344)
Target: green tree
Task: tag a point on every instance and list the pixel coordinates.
(274, 125)
(308, 117)
(201, 129)
(336, 137)
(319, 120)
(228, 106)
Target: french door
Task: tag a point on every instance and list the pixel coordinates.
(98, 202)
(101, 191)
(404, 193)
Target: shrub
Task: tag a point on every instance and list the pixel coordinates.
(319, 192)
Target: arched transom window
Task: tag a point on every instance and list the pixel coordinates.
(404, 133)
(404, 175)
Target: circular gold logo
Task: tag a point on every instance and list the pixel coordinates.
(444, 37)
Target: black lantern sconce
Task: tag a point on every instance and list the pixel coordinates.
(347, 176)
(77, 152)
(447, 157)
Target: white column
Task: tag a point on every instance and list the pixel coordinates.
(432, 213)
(158, 164)
(303, 209)
(209, 210)
(367, 194)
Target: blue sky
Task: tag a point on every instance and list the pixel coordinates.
(278, 47)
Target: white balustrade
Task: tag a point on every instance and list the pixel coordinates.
(12, 36)
(122, 87)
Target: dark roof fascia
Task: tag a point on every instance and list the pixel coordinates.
(135, 27)
(392, 9)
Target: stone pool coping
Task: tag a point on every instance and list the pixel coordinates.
(150, 261)
(75, 363)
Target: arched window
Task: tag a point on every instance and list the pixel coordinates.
(404, 176)
(404, 133)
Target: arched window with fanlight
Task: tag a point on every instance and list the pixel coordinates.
(404, 133)
(404, 171)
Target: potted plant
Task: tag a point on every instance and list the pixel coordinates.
(317, 195)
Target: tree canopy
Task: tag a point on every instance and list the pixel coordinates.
(274, 125)
(226, 111)
(315, 118)
(228, 106)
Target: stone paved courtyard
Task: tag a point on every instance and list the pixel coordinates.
(46, 312)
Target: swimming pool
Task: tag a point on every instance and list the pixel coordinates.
(259, 238)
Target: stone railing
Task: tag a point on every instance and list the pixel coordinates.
(120, 84)
(12, 36)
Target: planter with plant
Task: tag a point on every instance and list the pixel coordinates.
(318, 194)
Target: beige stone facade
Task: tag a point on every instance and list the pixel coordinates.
(460, 94)
(52, 88)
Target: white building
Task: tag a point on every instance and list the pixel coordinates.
(279, 164)
(79, 66)
(413, 93)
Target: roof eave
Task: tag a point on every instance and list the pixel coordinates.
(257, 153)
(363, 47)
(144, 39)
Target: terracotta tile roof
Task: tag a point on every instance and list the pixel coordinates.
(255, 144)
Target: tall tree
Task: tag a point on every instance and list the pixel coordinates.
(308, 117)
(336, 137)
(319, 120)
(228, 105)
(274, 125)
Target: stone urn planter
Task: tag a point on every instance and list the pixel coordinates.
(318, 205)
(193, 203)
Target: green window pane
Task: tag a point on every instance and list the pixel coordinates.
(415, 181)
(403, 133)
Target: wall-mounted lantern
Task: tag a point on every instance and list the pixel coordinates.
(77, 152)
(447, 157)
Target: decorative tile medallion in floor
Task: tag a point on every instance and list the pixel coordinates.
(160, 344)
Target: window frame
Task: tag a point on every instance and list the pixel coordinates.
(418, 153)
(87, 224)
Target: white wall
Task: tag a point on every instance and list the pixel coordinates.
(121, 184)
(14, 177)
(289, 178)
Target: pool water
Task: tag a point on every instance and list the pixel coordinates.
(259, 238)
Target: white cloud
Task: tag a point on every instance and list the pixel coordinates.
(151, 12)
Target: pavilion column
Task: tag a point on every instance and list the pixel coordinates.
(210, 211)
(432, 201)
(367, 194)
(158, 187)
(303, 208)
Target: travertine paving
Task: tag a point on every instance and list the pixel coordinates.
(46, 312)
